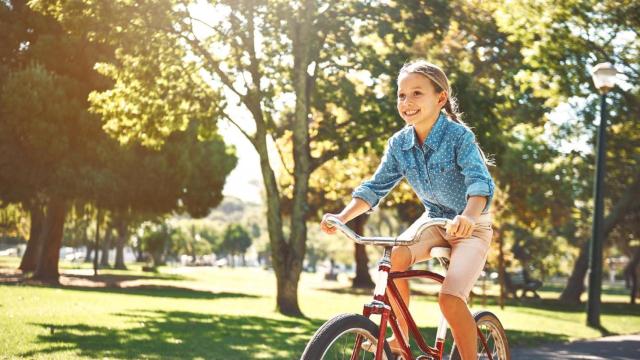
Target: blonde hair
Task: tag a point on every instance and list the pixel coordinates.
(441, 83)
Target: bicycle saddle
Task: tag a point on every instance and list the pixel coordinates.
(440, 252)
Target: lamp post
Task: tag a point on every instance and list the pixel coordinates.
(604, 76)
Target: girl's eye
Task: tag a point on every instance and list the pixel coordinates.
(401, 97)
(417, 93)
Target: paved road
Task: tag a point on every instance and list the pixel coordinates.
(624, 347)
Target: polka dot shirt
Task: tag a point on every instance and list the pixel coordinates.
(443, 172)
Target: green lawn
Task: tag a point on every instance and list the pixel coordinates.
(228, 314)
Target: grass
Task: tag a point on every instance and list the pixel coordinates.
(207, 313)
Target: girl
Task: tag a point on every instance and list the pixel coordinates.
(437, 154)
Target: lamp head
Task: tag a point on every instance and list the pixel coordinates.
(604, 77)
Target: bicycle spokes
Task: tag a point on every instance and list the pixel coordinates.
(349, 346)
(493, 344)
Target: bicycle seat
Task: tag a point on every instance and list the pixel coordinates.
(440, 252)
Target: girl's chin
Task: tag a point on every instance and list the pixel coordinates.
(411, 121)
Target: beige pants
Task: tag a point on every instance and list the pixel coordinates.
(468, 255)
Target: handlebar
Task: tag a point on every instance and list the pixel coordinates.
(382, 240)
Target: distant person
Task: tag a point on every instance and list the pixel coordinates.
(439, 157)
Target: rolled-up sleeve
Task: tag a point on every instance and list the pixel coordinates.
(474, 169)
(385, 178)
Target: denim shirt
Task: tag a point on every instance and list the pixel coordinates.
(443, 172)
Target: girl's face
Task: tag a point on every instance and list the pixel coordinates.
(418, 101)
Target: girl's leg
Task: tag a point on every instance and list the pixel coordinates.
(468, 257)
(400, 261)
(463, 326)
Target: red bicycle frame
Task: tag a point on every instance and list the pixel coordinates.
(382, 306)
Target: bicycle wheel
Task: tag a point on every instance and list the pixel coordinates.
(337, 337)
(494, 334)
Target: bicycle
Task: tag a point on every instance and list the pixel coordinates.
(342, 336)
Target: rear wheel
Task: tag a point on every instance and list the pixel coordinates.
(337, 338)
(494, 335)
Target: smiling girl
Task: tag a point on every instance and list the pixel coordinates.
(438, 156)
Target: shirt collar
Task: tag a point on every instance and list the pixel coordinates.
(433, 139)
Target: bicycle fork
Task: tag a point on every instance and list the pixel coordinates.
(378, 305)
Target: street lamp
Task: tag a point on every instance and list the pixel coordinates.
(604, 79)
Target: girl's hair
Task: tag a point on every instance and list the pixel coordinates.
(441, 83)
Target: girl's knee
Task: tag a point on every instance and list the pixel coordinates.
(400, 258)
(450, 303)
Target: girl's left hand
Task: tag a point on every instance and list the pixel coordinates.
(461, 226)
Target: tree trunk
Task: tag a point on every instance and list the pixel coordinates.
(88, 255)
(139, 252)
(287, 254)
(627, 202)
(363, 278)
(287, 297)
(31, 256)
(47, 270)
(291, 254)
(631, 275)
(575, 284)
(122, 231)
(106, 245)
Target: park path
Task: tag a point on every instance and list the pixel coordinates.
(622, 347)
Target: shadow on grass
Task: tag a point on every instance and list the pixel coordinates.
(181, 334)
(166, 291)
(119, 278)
(606, 289)
(9, 276)
(608, 308)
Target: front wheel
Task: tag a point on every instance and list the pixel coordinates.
(338, 337)
(494, 335)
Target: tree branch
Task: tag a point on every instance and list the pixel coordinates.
(249, 137)
(215, 64)
(284, 164)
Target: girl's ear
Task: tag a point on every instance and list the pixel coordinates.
(442, 98)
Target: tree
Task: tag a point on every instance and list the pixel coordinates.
(57, 151)
(563, 41)
(262, 53)
(236, 241)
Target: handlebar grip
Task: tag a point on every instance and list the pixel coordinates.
(332, 221)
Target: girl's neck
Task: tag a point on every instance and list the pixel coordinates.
(423, 128)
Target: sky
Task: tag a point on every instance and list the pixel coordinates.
(245, 181)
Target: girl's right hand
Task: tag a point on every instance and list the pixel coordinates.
(325, 227)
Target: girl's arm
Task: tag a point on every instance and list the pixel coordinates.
(472, 164)
(355, 208)
(475, 205)
(369, 193)
(479, 184)
(462, 225)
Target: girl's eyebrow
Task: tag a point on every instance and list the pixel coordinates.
(415, 87)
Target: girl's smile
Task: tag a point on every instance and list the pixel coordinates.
(418, 101)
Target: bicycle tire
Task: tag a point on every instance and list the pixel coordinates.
(494, 333)
(337, 337)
